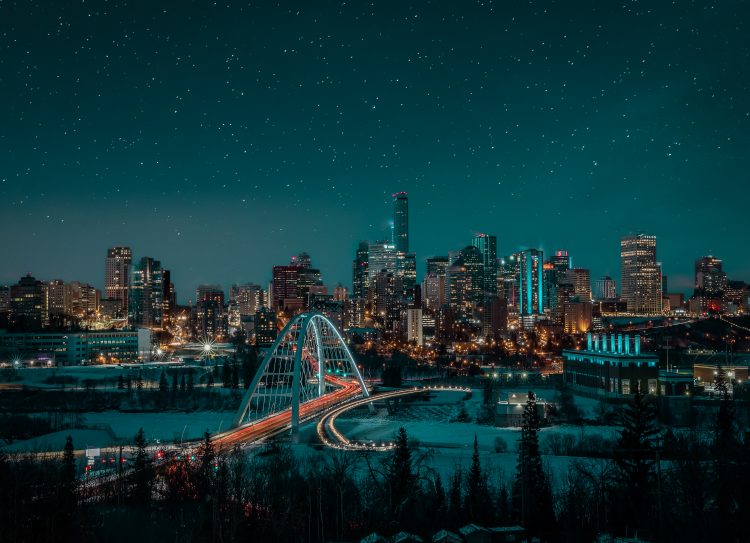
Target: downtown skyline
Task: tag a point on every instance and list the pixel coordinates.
(170, 130)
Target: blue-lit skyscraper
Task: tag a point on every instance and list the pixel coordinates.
(401, 222)
(531, 283)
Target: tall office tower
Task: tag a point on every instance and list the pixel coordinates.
(266, 328)
(146, 298)
(406, 273)
(360, 273)
(433, 291)
(4, 299)
(531, 282)
(473, 262)
(401, 222)
(28, 303)
(82, 300)
(309, 279)
(507, 280)
(640, 274)
(437, 265)
(710, 279)
(248, 297)
(605, 288)
(560, 260)
(386, 302)
(580, 278)
(414, 326)
(209, 312)
(284, 286)
(487, 246)
(381, 255)
(58, 298)
(169, 299)
(117, 275)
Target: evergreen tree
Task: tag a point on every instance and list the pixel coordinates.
(438, 502)
(725, 448)
(226, 375)
(120, 382)
(183, 385)
(636, 459)
(163, 384)
(721, 382)
(401, 478)
(532, 495)
(142, 470)
(191, 381)
(235, 375)
(249, 366)
(139, 380)
(502, 507)
(175, 386)
(477, 498)
(455, 507)
(207, 468)
(67, 491)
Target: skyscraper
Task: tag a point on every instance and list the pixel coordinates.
(710, 279)
(360, 274)
(401, 222)
(487, 246)
(640, 274)
(117, 275)
(146, 297)
(531, 283)
(209, 312)
(605, 288)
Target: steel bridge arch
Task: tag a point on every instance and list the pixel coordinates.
(309, 348)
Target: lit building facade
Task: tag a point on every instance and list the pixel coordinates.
(640, 275)
(401, 222)
(117, 275)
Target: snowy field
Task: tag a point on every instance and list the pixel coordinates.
(165, 427)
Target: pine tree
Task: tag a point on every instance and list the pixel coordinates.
(139, 380)
(249, 366)
(207, 468)
(191, 381)
(163, 384)
(401, 478)
(226, 376)
(477, 499)
(455, 507)
(183, 386)
(532, 495)
(120, 382)
(725, 448)
(68, 491)
(721, 382)
(502, 507)
(235, 375)
(439, 505)
(142, 470)
(636, 458)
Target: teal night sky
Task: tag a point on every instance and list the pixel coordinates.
(223, 139)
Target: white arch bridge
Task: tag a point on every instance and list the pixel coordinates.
(308, 370)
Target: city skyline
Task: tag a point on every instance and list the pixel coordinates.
(222, 155)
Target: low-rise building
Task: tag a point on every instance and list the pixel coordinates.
(611, 366)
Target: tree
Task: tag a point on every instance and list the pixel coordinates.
(143, 476)
(725, 448)
(567, 407)
(235, 376)
(477, 498)
(635, 458)
(163, 384)
(120, 382)
(190, 380)
(226, 375)
(183, 385)
(249, 366)
(139, 380)
(721, 382)
(532, 495)
(207, 468)
(455, 507)
(401, 478)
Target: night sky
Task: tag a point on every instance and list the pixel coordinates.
(222, 139)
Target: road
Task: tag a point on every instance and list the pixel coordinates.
(348, 388)
(330, 436)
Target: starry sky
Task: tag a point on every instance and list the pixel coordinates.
(222, 138)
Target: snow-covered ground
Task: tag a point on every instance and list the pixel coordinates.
(55, 441)
(169, 426)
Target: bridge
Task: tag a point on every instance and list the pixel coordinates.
(308, 370)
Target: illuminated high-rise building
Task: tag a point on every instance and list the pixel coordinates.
(360, 273)
(605, 288)
(146, 297)
(381, 255)
(209, 312)
(640, 275)
(437, 265)
(248, 297)
(401, 222)
(710, 279)
(487, 246)
(117, 275)
(531, 282)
